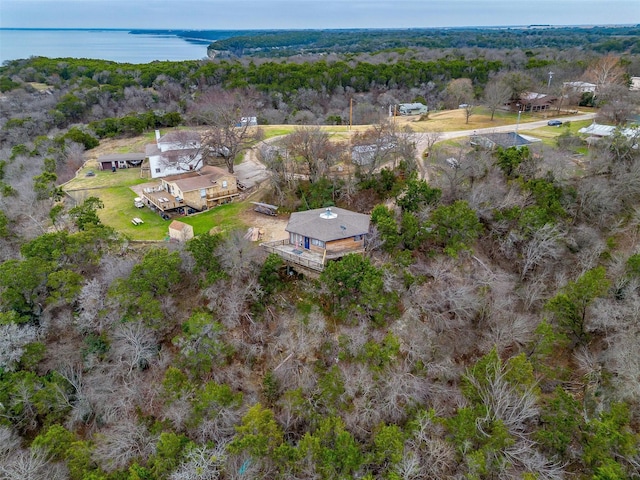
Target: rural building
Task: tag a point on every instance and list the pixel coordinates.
(579, 87)
(120, 160)
(492, 141)
(180, 231)
(319, 235)
(363, 155)
(176, 152)
(596, 130)
(247, 122)
(197, 190)
(534, 102)
(412, 109)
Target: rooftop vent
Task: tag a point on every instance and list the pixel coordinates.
(328, 214)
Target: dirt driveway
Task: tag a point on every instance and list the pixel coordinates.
(272, 228)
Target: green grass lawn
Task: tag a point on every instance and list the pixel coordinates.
(105, 178)
(224, 218)
(119, 210)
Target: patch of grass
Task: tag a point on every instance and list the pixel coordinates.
(452, 120)
(105, 178)
(223, 218)
(119, 210)
(276, 130)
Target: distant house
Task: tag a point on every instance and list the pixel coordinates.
(180, 231)
(412, 109)
(196, 190)
(635, 84)
(579, 87)
(598, 130)
(492, 141)
(363, 155)
(120, 160)
(534, 102)
(247, 121)
(176, 152)
(319, 235)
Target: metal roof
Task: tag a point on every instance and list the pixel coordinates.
(131, 157)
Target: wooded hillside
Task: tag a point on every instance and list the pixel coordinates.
(490, 330)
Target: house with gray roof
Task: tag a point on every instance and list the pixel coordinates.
(492, 141)
(320, 235)
(120, 160)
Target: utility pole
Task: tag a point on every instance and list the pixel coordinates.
(350, 112)
(519, 112)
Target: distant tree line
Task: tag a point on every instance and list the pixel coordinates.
(285, 43)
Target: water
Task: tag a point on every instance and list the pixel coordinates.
(116, 45)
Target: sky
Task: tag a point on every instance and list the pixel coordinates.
(313, 14)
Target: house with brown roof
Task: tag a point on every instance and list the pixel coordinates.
(534, 102)
(320, 235)
(120, 160)
(197, 190)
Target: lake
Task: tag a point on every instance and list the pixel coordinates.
(116, 45)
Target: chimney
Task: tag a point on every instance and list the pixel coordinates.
(157, 136)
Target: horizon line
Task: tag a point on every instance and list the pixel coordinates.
(532, 26)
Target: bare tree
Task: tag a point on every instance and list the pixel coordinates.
(496, 94)
(378, 145)
(617, 103)
(9, 442)
(315, 148)
(122, 443)
(544, 246)
(202, 463)
(13, 339)
(230, 132)
(90, 304)
(606, 70)
(460, 92)
(33, 464)
(134, 346)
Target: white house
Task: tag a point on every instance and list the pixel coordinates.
(412, 109)
(579, 87)
(174, 153)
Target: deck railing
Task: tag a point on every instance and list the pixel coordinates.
(273, 247)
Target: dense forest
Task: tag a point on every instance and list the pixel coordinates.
(285, 43)
(490, 331)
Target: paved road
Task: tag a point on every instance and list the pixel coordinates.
(252, 172)
(422, 138)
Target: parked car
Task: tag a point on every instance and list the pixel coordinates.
(554, 123)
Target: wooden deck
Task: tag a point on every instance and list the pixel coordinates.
(162, 199)
(308, 259)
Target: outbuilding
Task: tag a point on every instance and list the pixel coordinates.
(180, 231)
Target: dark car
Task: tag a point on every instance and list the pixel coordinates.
(554, 123)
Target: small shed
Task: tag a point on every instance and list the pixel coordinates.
(180, 232)
(120, 160)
